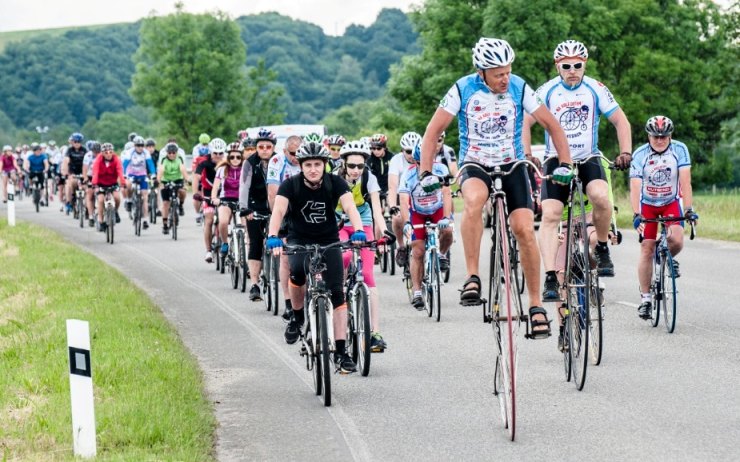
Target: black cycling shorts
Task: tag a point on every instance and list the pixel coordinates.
(333, 276)
(165, 192)
(587, 172)
(516, 184)
(255, 231)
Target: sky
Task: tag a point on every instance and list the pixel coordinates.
(332, 15)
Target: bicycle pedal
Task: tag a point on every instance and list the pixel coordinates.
(472, 302)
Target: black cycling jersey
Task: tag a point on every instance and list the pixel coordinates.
(253, 189)
(207, 171)
(75, 159)
(311, 211)
(379, 167)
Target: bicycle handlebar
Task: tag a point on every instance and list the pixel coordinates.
(497, 170)
(692, 223)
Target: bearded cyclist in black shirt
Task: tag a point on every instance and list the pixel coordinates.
(72, 165)
(319, 192)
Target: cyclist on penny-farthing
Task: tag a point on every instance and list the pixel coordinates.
(309, 199)
(490, 106)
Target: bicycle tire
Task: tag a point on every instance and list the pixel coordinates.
(507, 343)
(312, 334)
(233, 263)
(171, 215)
(37, 199)
(426, 285)
(656, 289)
(384, 260)
(408, 283)
(242, 262)
(275, 284)
(516, 267)
(265, 279)
(392, 258)
(81, 211)
(449, 262)
(137, 214)
(324, 354)
(578, 287)
(668, 283)
(153, 206)
(596, 322)
(361, 351)
(111, 219)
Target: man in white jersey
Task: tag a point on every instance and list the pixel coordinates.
(396, 168)
(490, 106)
(281, 167)
(577, 103)
(660, 177)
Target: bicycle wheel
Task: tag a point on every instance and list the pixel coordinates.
(311, 339)
(231, 258)
(173, 222)
(81, 211)
(275, 284)
(408, 283)
(657, 288)
(137, 214)
(265, 279)
(384, 259)
(216, 248)
(361, 351)
(449, 261)
(324, 355)
(242, 261)
(505, 324)
(111, 222)
(668, 283)
(516, 267)
(36, 199)
(153, 206)
(578, 287)
(392, 258)
(596, 328)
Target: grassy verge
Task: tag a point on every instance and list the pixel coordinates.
(149, 400)
(719, 215)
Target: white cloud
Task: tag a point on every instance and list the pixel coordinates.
(332, 15)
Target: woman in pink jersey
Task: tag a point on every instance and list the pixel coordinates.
(226, 186)
(9, 167)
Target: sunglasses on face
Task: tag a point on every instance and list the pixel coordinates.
(377, 149)
(218, 153)
(660, 137)
(567, 66)
(408, 151)
(355, 166)
(235, 157)
(138, 145)
(292, 153)
(264, 147)
(334, 148)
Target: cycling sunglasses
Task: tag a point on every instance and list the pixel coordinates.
(235, 157)
(567, 66)
(357, 166)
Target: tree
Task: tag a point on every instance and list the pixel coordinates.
(261, 97)
(189, 70)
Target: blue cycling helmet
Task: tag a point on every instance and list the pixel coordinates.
(417, 153)
(77, 137)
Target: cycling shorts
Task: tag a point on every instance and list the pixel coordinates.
(650, 211)
(141, 179)
(165, 192)
(419, 219)
(333, 276)
(515, 185)
(587, 172)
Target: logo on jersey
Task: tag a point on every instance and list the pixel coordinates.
(574, 118)
(314, 212)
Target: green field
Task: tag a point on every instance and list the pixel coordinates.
(149, 398)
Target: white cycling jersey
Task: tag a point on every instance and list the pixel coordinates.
(490, 123)
(398, 165)
(280, 169)
(659, 172)
(578, 110)
(422, 202)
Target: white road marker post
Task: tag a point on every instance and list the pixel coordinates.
(81, 388)
(11, 204)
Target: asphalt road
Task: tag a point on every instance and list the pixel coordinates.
(656, 396)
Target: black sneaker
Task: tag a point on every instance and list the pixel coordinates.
(344, 363)
(287, 314)
(552, 289)
(90, 222)
(444, 263)
(145, 225)
(401, 256)
(128, 206)
(645, 310)
(103, 227)
(181, 210)
(254, 293)
(676, 271)
(418, 302)
(604, 261)
(377, 344)
(118, 217)
(292, 331)
(165, 229)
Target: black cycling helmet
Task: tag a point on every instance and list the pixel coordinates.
(171, 148)
(150, 142)
(95, 147)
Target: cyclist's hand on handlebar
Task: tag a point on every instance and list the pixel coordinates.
(563, 174)
(358, 237)
(691, 215)
(275, 244)
(395, 210)
(637, 220)
(429, 182)
(622, 162)
(444, 223)
(215, 201)
(389, 238)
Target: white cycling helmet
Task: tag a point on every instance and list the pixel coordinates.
(659, 125)
(217, 145)
(7, 147)
(128, 146)
(409, 140)
(570, 49)
(491, 52)
(355, 147)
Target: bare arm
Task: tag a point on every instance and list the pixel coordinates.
(440, 121)
(635, 189)
(279, 208)
(404, 207)
(272, 190)
(392, 188)
(546, 119)
(527, 133)
(684, 182)
(377, 215)
(624, 130)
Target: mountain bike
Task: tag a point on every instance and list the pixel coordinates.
(173, 215)
(79, 203)
(153, 200)
(36, 187)
(317, 343)
(109, 212)
(137, 205)
(663, 287)
(386, 253)
(503, 307)
(236, 258)
(269, 277)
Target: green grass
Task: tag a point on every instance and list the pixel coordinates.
(719, 215)
(149, 398)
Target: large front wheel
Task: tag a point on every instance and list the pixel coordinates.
(323, 352)
(361, 351)
(668, 283)
(275, 285)
(596, 321)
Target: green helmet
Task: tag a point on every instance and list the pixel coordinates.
(204, 138)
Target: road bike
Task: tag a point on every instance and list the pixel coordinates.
(430, 281)
(109, 212)
(173, 215)
(36, 187)
(663, 287)
(137, 205)
(269, 277)
(153, 200)
(503, 307)
(317, 343)
(79, 204)
(236, 257)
